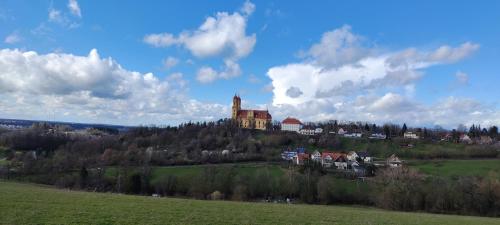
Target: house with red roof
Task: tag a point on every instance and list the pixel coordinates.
(291, 124)
(300, 158)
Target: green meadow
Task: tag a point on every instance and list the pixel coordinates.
(36, 204)
(455, 168)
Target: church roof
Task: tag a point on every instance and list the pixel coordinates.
(258, 114)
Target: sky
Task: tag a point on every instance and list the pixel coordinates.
(423, 63)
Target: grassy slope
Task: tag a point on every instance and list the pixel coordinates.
(452, 168)
(31, 204)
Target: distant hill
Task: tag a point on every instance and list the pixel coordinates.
(16, 123)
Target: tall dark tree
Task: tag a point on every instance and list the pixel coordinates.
(404, 129)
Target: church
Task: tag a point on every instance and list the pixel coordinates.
(250, 118)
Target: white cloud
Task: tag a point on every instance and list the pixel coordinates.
(248, 8)
(13, 38)
(462, 78)
(337, 48)
(160, 40)
(340, 78)
(206, 75)
(74, 8)
(223, 35)
(93, 89)
(170, 62)
(60, 18)
(394, 108)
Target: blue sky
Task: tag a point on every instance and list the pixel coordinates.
(422, 62)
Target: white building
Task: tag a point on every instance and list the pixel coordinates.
(291, 124)
(354, 135)
(378, 136)
(410, 135)
(316, 156)
(306, 132)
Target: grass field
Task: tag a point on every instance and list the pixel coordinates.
(194, 170)
(454, 168)
(34, 204)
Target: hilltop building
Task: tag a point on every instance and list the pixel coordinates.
(291, 124)
(250, 118)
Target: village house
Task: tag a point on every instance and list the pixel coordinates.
(354, 135)
(464, 138)
(352, 156)
(394, 161)
(316, 156)
(300, 158)
(377, 136)
(291, 124)
(340, 161)
(307, 132)
(288, 155)
(365, 157)
(327, 159)
(410, 135)
(485, 140)
(341, 131)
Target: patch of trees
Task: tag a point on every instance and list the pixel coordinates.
(407, 190)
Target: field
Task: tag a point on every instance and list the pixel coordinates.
(454, 168)
(248, 169)
(34, 204)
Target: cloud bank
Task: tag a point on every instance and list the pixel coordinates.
(341, 77)
(93, 89)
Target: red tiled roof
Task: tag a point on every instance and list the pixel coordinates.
(334, 155)
(290, 120)
(303, 156)
(258, 114)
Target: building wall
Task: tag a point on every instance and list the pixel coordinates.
(291, 127)
(260, 124)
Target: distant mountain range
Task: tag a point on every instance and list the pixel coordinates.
(76, 126)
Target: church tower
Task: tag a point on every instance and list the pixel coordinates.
(236, 106)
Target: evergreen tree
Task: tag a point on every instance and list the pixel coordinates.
(404, 129)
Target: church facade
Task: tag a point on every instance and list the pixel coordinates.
(250, 118)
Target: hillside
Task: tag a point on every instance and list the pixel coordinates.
(34, 204)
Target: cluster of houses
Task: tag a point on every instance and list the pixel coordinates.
(351, 161)
(293, 124)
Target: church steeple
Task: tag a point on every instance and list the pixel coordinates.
(236, 106)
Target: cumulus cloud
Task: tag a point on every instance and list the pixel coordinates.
(170, 62)
(74, 8)
(13, 38)
(341, 78)
(223, 35)
(338, 47)
(93, 89)
(206, 75)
